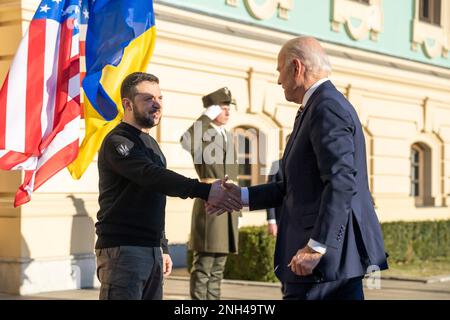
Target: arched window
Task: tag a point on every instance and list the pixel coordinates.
(246, 140)
(415, 171)
(420, 174)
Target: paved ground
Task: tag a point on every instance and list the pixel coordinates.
(177, 288)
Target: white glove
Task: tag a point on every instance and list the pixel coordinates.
(213, 111)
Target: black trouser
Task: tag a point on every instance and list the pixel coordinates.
(130, 273)
(347, 289)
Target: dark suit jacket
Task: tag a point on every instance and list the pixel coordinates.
(275, 213)
(325, 193)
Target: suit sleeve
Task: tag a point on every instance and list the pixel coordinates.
(332, 137)
(265, 196)
(270, 214)
(136, 166)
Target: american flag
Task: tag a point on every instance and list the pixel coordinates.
(84, 18)
(40, 98)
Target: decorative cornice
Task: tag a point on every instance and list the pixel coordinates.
(267, 9)
(430, 38)
(361, 20)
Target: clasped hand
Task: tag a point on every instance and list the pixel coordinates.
(223, 197)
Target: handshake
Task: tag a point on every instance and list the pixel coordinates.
(223, 197)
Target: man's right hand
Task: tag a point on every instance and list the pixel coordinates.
(223, 198)
(213, 111)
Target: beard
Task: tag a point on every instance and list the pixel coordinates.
(145, 120)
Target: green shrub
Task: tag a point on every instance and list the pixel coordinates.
(404, 241)
(255, 259)
(412, 241)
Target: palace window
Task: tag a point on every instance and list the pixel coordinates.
(415, 171)
(247, 156)
(430, 11)
(420, 175)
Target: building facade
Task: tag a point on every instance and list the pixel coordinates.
(390, 58)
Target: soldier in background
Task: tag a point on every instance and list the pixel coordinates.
(212, 237)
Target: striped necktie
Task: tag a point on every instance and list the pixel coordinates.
(299, 112)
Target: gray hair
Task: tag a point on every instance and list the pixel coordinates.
(315, 61)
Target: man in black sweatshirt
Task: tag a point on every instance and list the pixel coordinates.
(131, 249)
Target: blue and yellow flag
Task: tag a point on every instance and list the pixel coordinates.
(120, 40)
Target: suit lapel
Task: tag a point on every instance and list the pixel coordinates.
(301, 118)
(229, 143)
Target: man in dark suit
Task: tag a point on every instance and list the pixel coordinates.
(329, 234)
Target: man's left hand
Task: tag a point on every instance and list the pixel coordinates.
(304, 262)
(167, 265)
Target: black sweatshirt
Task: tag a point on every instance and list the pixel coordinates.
(133, 184)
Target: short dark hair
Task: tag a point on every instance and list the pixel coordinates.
(128, 88)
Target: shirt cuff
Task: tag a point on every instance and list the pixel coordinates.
(213, 111)
(317, 246)
(272, 221)
(244, 196)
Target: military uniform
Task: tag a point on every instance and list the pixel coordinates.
(212, 237)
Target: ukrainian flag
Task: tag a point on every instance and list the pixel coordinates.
(120, 40)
